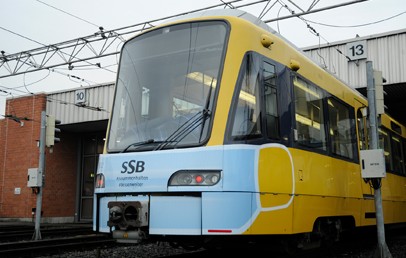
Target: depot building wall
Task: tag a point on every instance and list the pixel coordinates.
(19, 151)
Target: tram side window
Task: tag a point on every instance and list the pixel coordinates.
(247, 122)
(384, 143)
(271, 101)
(363, 131)
(404, 155)
(398, 162)
(342, 133)
(309, 114)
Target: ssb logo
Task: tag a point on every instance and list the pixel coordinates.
(133, 166)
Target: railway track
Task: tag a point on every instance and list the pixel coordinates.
(76, 242)
(33, 248)
(24, 233)
(16, 240)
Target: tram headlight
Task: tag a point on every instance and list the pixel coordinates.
(213, 178)
(184, 179)
(195, 177)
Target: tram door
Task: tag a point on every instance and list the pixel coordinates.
(92, 146)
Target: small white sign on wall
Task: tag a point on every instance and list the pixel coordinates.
(80, 96)
(357, 50)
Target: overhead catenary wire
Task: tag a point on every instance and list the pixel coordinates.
(5, 58)
(266, 9)
(314, 11)
(85, 40)
(8, 90)
(22, 36)
(63, 102)
(91, 23)
(311, 30)
(99, 27)
(119, 33)
(358, 25)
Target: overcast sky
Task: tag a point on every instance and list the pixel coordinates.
(29, 24)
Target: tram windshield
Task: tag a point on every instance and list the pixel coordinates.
(166, 87)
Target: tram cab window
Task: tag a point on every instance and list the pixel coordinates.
(256, 113)
(247, 122)
(271, 101)
(309, 115)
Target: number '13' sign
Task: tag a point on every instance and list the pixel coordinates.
(357, 50)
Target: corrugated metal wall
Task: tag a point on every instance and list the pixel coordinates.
(387, 52)
(97, 104)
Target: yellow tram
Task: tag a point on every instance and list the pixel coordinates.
(222, 128)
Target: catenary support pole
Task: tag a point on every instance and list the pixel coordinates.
(382, 250)
(41, 174)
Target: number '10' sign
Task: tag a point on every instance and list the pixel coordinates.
(80, 96)
(357, 50)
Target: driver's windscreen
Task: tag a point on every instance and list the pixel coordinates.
(167, 78)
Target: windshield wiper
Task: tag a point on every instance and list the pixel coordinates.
(138, 144)
(199, 119)
(206, 108)
(185, 129)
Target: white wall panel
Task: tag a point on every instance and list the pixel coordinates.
(96, 107)
(387, 52)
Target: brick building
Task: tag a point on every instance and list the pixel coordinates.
(67, 192)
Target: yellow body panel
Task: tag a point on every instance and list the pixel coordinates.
(273, 222)
(308, 208)
(275, 172)
(298, 187)
(325, 176)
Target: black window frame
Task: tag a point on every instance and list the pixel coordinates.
(326, 117)
(263, 137)
(353, 130)
(391, 157)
